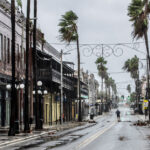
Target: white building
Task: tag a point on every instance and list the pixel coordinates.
(93, 91)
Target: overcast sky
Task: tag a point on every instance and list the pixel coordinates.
(100, 22)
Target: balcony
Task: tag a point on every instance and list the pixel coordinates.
(44, 74)
(56, 77)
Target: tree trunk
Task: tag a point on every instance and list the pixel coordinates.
(79, 90)
(106, 98)
(26, 116)
(13, 61)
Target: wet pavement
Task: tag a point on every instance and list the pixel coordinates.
(106, 134)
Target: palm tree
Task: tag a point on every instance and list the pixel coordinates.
(138, 11)
(26, 116)
(102, 71)
(129, 88)
(69, 33)
(110, 81)
(132, 66)
(114, 88)
(106, 84)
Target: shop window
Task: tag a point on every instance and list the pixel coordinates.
(5, 49)
(8, 51)
(21, 57)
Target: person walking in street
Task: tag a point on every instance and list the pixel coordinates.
(118, 115)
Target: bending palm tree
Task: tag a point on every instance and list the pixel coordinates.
(132, 66)
(129, 88)
(138, 11)
(102, 71)
(69, 33)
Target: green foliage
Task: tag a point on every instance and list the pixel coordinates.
(132, 66)
(19, 3)
(101, 67)
(138, 11)
(109, 82)
(68, 27)
(133, 97)
(129, 88)
(122, 97)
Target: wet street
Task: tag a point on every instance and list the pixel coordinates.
(107, 134)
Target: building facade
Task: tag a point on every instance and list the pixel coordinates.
(48, 71)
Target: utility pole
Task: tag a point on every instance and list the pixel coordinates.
(26, 115)
(61, 88)
(148, 88)
(37, 116)
(13, 62)
(78, 84)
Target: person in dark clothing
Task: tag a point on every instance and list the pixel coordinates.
(118, 114)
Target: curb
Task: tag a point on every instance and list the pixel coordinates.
(33, 137)
(53, 131)
(24, 139)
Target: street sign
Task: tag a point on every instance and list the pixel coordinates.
(145, 104)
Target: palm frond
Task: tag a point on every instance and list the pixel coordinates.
(68, 27)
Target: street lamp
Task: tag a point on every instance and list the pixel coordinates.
(39, 83)
(8, 86)
(18, 86)
(40, 93)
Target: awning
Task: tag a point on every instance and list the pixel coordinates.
(84, 97)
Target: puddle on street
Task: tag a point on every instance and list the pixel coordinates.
(51, 142)
(63, 141)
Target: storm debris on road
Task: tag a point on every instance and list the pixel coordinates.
(141, 123)
(92, 121)
(122, 138)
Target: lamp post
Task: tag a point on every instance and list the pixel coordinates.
(18, 86)
(40, 93)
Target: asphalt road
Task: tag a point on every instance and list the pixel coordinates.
(107, 134)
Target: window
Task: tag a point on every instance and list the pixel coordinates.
(24, 58)
(1, 46)
(5, 50)
(21, 57)
(18, 55)
(8, 51)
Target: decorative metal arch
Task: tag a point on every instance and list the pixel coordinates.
(106, 50)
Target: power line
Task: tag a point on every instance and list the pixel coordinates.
(124, 81)
(84, 44)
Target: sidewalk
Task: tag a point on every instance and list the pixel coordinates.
(58, 130)
(6, 140)
(142, 117)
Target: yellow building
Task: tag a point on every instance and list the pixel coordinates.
(47, 109)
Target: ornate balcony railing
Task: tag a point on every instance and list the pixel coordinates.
(56, 77)
(44, 74)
